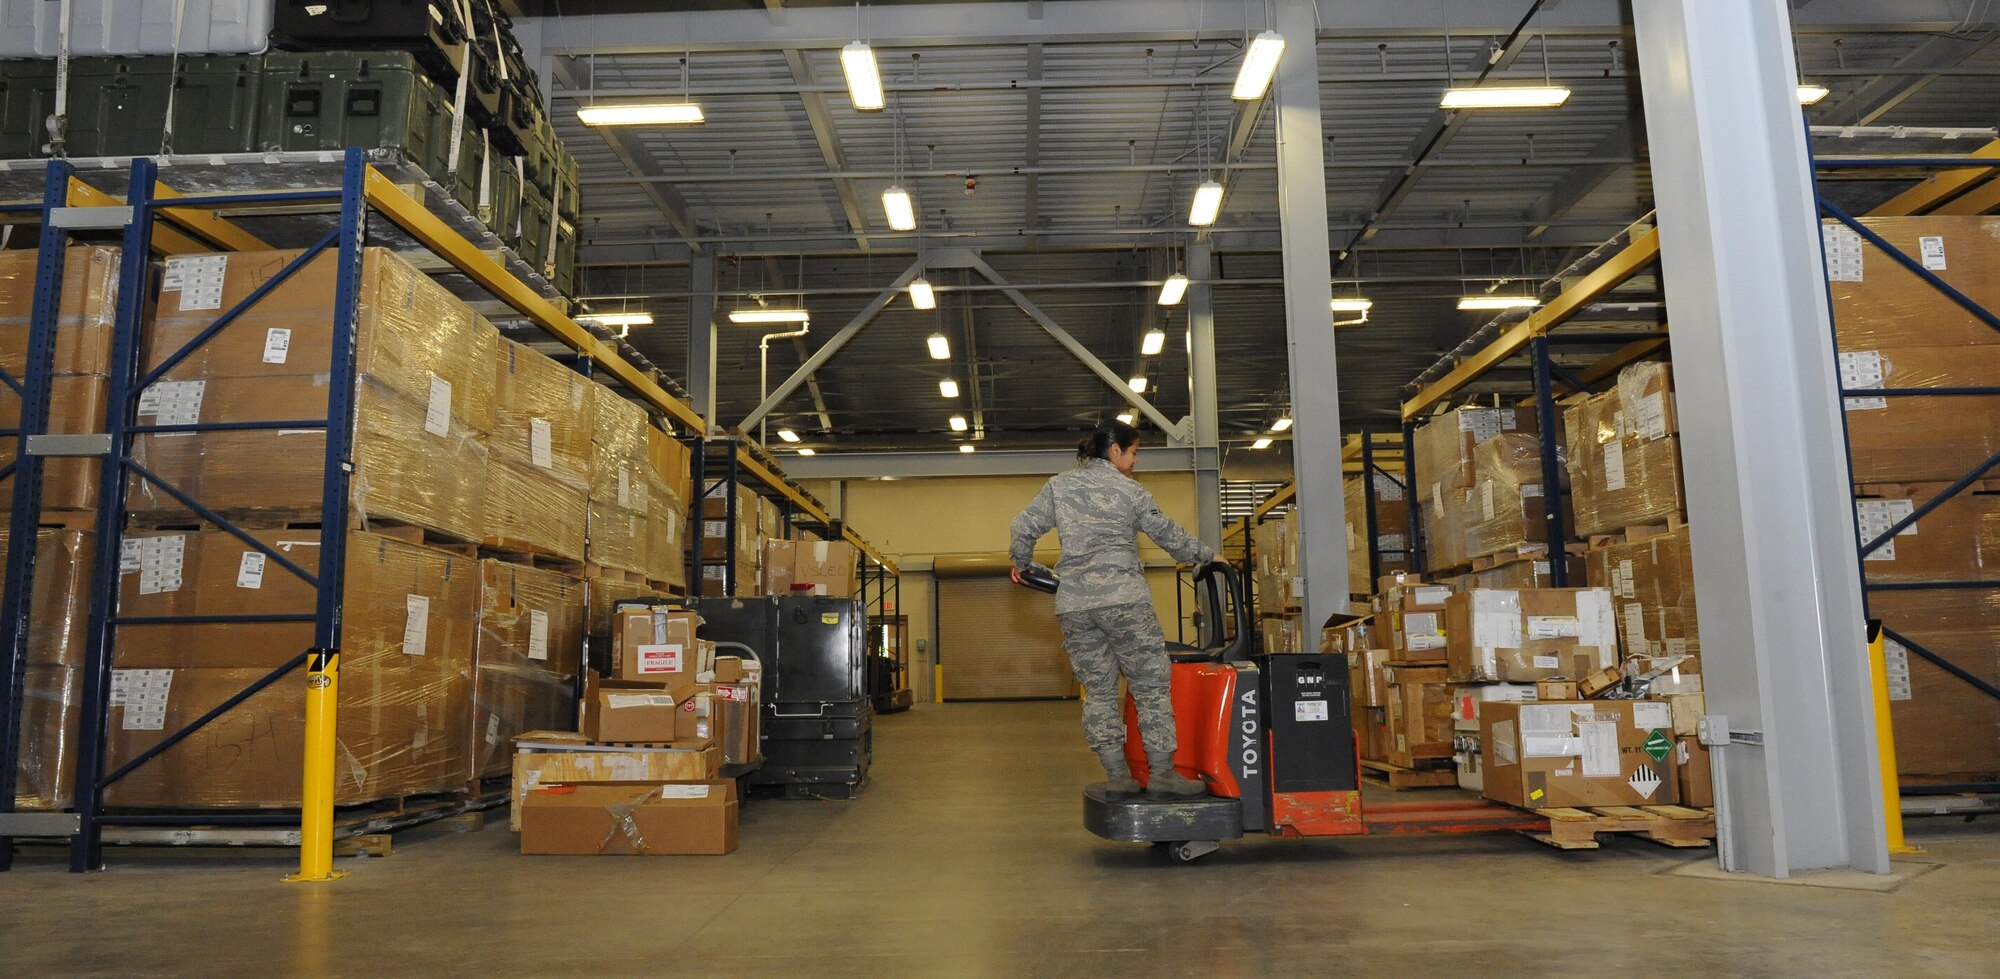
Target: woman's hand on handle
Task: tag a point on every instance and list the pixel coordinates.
(1015, 574)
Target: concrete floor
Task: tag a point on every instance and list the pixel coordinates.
(965, 857)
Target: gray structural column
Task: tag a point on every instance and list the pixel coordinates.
(1201, 396)
(1769, 510)
(1308, 322)
(701, 334)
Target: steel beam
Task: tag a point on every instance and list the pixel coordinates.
(826, 352)
(813, 383)
(1202, 394)
(1309, 332)
(829, 144)
(1762, 440)
(1617, 150)
(1875, 99)
(1077, 349)
(904, 464)
(701, 333)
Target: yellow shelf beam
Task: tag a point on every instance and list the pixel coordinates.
(1940, 187)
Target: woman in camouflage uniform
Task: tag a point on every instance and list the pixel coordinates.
(1105, 606)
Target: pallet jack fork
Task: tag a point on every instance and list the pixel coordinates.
(1272, 737)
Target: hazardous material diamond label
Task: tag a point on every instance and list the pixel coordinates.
(1659, 746)
(1645, 782)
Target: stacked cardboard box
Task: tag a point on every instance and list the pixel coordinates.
(1392, 529)
(526, 659)
(1274, 546)
(423, 392)
(1283, 633)
(1467, 708)
(1409, 619)
(53, 681)
(1540, 755)
(825, 568)
(626, 492)
(601, 596)
(1624, 453)
(1897, 331)
(538, 463)
(406, 669)
(1479, 483)
(720, 542)
(1651, 583)
(82, 358)
(666, 541)
(1419, 715)
(1521, 636)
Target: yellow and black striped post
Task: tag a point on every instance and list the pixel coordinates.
(1885, 742)
(316, 799)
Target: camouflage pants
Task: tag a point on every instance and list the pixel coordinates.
(1121, 639)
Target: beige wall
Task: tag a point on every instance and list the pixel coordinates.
(915, 521)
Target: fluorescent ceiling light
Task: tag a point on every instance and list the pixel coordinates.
(864, 80)
(902, 213)
(1261, 444)
(1260, 62)
(1172, 290)
(1496, 302)
(1126, 418)
(763, 317)
(1504, 97)
(1154, 342)
(965, 448)
(1281, 424)
(648, 114)
(1811, 94)
(958, 423)
(1353, 305)
(1137, 384)
(805, 452)
(1207, 204)
(948, 388)
(921, 294)
(619, 319)
(788, 435)
(940, 347)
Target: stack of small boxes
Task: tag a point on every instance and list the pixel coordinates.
(1279, 591)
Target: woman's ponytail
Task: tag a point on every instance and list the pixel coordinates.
(1097, 445)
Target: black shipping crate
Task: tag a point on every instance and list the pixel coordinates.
(429, 29)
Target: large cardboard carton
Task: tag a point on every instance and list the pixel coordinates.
(1590, 753)
(1369, 683)
(624, 487)
(1624, 453)
(1879, 303)
(1392, 528)
(1528, 635)
(630, 819)
(1420, 705)
(1444, 446)
(1918, 438)
(538, 463)
(526, 659)
(76, 407)
(1274, 546)
(1960, 540)
(1697, 779)
(622, 712)
(84, 318)
(657, 644)
(1651, 582)
(1944, 725)
(825, 568)
(739, 704)
(52, 671)
(552, 757)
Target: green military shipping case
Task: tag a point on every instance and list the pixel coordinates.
(377, 99)
(118, 106)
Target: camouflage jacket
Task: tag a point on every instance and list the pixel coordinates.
(1097, 512)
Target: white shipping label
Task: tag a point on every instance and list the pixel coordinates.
(1431, 594)
(1596, 625)
(1421, 624)
(1547, 663)
(1424, 642)
(684, 791)
(161, 560)
(1504, 751)
(1862, 370)
(1649, 416)
(417, 624)
(173, 402)
(1496, 630)
(250, 570)
(624, 486)
(621, 701)
(1875, 517)
(1311, 710)
(1931, 249)
(659, 658)
(1635, 628)
(1350, 535)
(1897, 658)
(1553, 627)
(437, 414)
(1650, 715)
(1843, 252)
(1531, 491)
(1600, 748)
(538, 634)
(277, 345)
(715, 528)
(541, 451)
(1390, 542)
(1621, 580)
(198, 278)
(128, 555)
(1614, 466)
(143, 695)
(492, 729)
(1486, 499)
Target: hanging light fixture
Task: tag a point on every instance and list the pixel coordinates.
(940, 347)
(766, 316)
(1355, 305)
(683, 113)
(1281, 424)
(788, 435)
(1504, 97)
(1154, 342)
(1137, 384)
(806, 452)
(1489, 303)
(1173, 289)
(1126, 417)
(1811, 94)
(966, 448)
(1260, 64)
(619, 319)
(948, 388)
(1207, 204)
(1263, 443)
(901, 210)
(921, 294)
(958, 423)
(864, 79)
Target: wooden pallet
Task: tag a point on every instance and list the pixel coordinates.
(1675, 826)
(362, 830)
(520, 552)
(1526, 552)
(1639, 534)
(284, 518)
(413, 534)
(1399, 778)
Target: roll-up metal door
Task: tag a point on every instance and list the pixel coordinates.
(997, 640)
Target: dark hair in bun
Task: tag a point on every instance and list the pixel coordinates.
(1097, 445)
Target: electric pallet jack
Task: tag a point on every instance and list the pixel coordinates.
(1273, 739)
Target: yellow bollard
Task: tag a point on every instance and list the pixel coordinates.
(937, 683)
(316, 801)
(1885, 742)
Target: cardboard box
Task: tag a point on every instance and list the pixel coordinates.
(1445, 445)
(739, 704)
(1283, 634)
(699, 719)
(1420, 706)
(1943, 725)
(1960, 540)
(1528, 635)
(1651, 583)
(657, 644)
(1369, 665)
(621, 712)
(1392, 528)
(825, 568)
(562, 757)
(1624, 453)
(1597, 753)
(1372, 731)
(630, 819)
(525, 660)
(1697, 779)
(1917, 438)
(1555, 690)
(1879, 303)
(76, 407)
(83, 320)
(1466, 701)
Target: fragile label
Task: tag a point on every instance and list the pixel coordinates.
(1310, 710)
(1862, 370)
(659, 658)
(437, 414)
(1648, 714)
(1553, 627)
(417, 624)
(1931, 249)
(1614, 466)
(277, 345)
(198, 278)
(143, 695)
(1600, 748)
(1843, 252)
(540, 450)
(250, 570)
(538, 634)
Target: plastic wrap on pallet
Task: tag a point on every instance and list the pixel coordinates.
(1915, 438)
(532, 510)
(666, 537)
(76, 406)
(1392, 530)
(1274, 549)
(1500, 511)
(606, 593)
(1944, 725)
(409, 625)
(620, 457)
(1443, 447)
(673, 461)
(83, 326)
(538, 464)
(617, 538)
(1957, 541)
(1624, 453)
(525, 661)
(413, 463)
(52, 682)
(1520, 636)
(1879, 303)
(1651, 583)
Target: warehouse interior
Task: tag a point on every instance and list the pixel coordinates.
(464, 442)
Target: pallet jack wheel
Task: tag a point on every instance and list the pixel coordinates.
(1188, 851)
